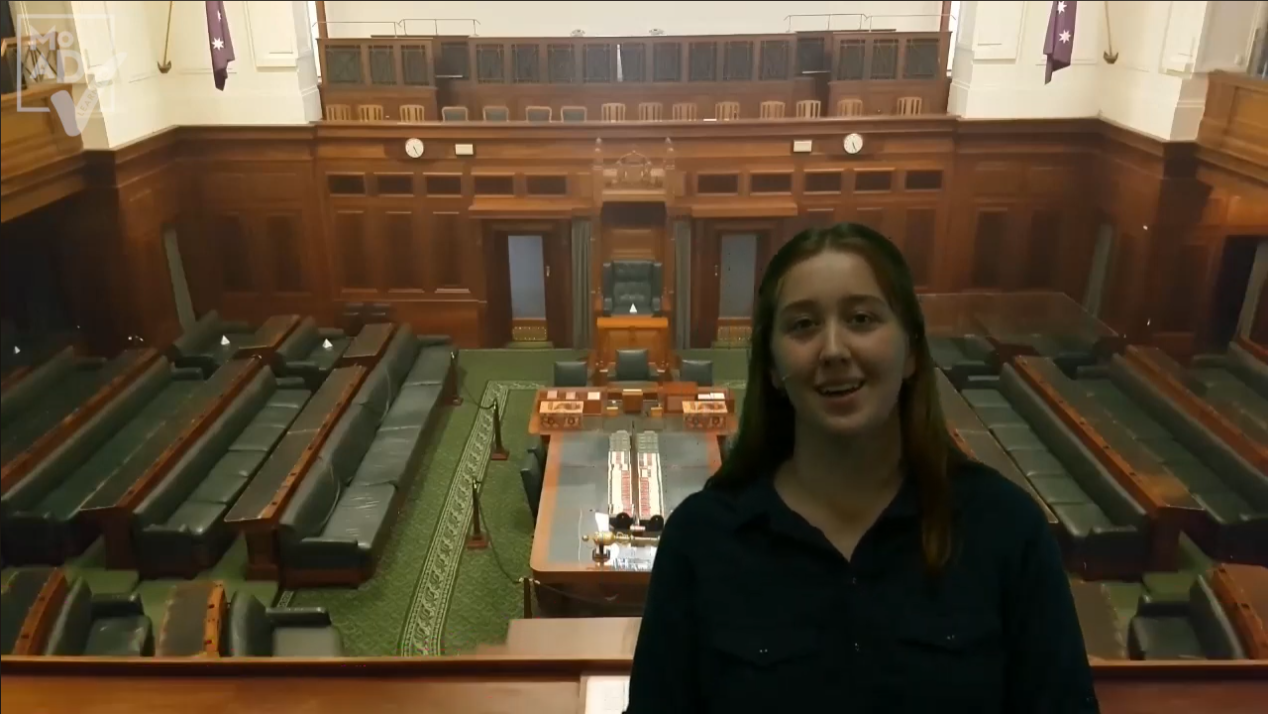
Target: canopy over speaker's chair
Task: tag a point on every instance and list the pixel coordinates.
(632, 287)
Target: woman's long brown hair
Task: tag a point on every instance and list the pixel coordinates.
(765, 437)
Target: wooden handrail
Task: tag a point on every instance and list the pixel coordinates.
(369, 345)
(115, 520)
(269, 336)
(1168, 503)
(1146, 360)
(1255, 349)
(12, 378)
(1226, 583)
(14, 471)
(33, 637)
(213, 619)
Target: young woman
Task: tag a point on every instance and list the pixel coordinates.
(847, 557)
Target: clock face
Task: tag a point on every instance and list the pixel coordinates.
(853, 144)
(414, 148)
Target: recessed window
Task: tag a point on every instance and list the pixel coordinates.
(346, 184)
(718, 183)
(924, 180)
(823, 182)
(547, 185)
(494, 186)
(873, 180)
(395, 184)
(441, 185)
(770, 183)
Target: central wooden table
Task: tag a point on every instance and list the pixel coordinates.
(575, 488)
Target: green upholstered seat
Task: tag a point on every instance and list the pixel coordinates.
(1035, 463)
(1059, 489)
(196, 517)
(100, 626)
(1017, 436)
(1081, 519)
(984, 398)
(994, 417)
(337, 518)
(256, 631)
(1194, 628)
(180, 526)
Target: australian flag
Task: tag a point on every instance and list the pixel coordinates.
(1058, 44)
(218, 39)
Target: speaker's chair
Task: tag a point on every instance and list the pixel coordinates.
(632, 284)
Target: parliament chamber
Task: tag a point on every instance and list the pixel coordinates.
(381, 359)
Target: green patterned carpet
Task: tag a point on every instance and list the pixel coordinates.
(430, 595)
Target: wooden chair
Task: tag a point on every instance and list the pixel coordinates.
(851, 107)
(772, 110)
(651, 111)
(809, 109)
(413, 113)
(909, 106)
(538, 114)
(338, 112)
(572, 114)
(453, 114)
(684, 112)
(612, 112)
(370, 112)
(726, 111)
(496, 114)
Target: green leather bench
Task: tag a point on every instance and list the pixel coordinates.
(100, 626)
(41, 522)
(1106, 530)
(1197, 628)
(963, 357)
(303, 353)
(39, 403)
(179, 529)
(201, 345)
(1231, 489)
(1248, 369)
(256, 631)
(1223, 388)
(341, 513)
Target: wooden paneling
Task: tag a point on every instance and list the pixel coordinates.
(305, 219)
(1234, 129)
(39, 162)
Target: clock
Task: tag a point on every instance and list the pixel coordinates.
(853, 143)
(414, 148)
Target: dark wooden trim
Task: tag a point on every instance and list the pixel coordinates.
(33, 637)
(1256, 350)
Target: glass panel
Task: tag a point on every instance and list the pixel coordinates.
(738, 276)
(528, 284)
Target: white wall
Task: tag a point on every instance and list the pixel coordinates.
(999, 66)
(1157, 86)
(272, 81)
(351, 18)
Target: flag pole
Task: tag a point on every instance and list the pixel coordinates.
(166, 66)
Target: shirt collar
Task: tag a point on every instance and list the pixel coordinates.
(759, 499)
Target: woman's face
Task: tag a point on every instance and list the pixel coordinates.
(839, 350)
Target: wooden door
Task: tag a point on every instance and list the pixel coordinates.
(727, 267)
(529, 284)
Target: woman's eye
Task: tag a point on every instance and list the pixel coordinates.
(862, 319)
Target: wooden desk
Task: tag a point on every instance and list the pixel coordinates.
(631, 332)
(442, 685)
(669, 396)
(574, 488)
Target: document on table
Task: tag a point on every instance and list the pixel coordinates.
(607, 694)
